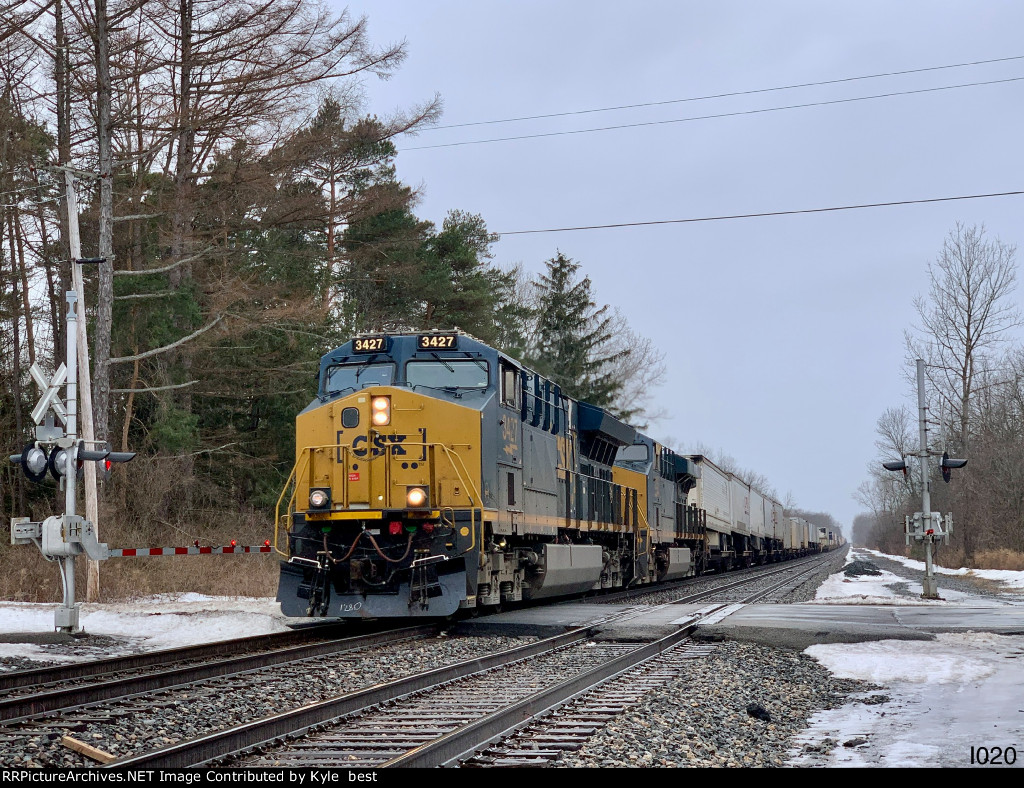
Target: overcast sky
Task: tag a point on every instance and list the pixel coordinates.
(783, 336)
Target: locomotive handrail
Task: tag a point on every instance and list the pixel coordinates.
(293, 476)
(643, 517)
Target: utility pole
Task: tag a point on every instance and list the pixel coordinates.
(92, 590)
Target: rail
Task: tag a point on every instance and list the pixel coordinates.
(257, 732)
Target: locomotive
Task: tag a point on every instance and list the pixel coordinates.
(436, 475)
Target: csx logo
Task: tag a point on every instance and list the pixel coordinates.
(362, 446)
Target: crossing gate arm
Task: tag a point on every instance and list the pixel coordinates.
(71, 535)
(141, 552)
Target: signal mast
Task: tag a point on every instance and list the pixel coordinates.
(927, 526)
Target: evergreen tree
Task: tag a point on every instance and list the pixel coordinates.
(381, 285)
(344, 159)
(572, 335)
(460, 287)
(513, 314)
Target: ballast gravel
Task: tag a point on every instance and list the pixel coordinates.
(125, 727)
(703, 719)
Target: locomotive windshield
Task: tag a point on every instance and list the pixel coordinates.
(357, 376)
(447, 373)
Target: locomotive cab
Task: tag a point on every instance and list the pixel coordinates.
(386, 500)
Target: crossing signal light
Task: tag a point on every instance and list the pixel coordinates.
(33, 461)
(104, 458)
(899, 465)
(59, 464)
(947, 465)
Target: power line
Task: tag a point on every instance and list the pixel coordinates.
(763, 214)
(752, 92)
(717, 115)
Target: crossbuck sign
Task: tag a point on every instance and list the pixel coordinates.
(50, 397)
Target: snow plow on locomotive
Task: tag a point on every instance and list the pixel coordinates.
(435, 474)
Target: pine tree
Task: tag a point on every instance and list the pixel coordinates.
(382, 276)
(462, 289)
(572, 335)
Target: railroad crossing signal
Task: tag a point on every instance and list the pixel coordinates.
(901, 465)
(66, 453)
(33, 462)
(34, 459)
(948, 464)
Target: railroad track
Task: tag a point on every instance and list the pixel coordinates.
(425, 720)
(439, 717)
(774, 582)
(32, 694)
(14, 680)
(48, 711)
(802, 568)
(566, 728)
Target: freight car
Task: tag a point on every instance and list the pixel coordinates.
(435, 474)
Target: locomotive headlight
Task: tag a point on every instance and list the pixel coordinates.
(319, 498)
(381, 411)
(417, 497)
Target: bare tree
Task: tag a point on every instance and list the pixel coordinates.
(995, 488)
(967, 314)
(966, 317)
(897, 438)
(641, 368)
(888, 495)
(187, 79)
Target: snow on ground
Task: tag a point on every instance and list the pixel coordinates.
(868, 590)
(161, 622)
(945, 696)
(877, 590)
(1007, 577)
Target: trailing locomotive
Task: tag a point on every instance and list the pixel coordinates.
(436, 474)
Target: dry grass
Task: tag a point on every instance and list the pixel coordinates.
(999, 559)
(231, 575)
(26, 577)
(149, 507)
(953, 558)
(949, 557)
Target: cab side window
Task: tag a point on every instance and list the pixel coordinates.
(509, 385)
